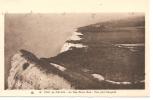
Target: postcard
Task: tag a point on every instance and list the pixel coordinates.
(74, 48)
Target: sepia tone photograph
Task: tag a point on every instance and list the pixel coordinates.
(74, 51)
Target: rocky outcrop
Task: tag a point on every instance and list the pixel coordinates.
(29, 72)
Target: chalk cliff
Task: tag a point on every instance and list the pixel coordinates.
(108, 55)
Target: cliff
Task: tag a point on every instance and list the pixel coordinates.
(106, 55)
